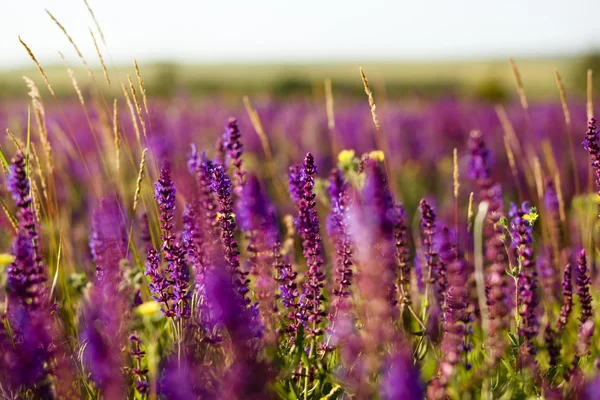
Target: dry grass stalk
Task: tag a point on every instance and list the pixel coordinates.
(138, 107)
(11, 218)
(73, 79)
(136, 127)
(62, 28)
(39, 171)
(38, 66)
(257, 125)
(140, 178)
(142, 87)
(104, 70)
(513, 165)
(519, 84)
(95, 22)
(18, 144)
(117, 135)
(470, 213)
(567, 115)
(40, 117)
(455, 173)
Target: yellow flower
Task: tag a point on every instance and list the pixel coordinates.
(148, 309)
(6, 259)
(346, 156)
(376, 155)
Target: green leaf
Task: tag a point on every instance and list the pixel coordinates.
(335, 392)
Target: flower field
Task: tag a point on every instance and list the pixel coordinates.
(307, 248)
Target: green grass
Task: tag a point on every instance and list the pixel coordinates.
(472, 76)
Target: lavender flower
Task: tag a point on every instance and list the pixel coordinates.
(108, 240)
(552, 345)
(257, 218)
(307, 224)
(25, 282)
(402, 380)
(103, 335)
(402, 254)
(528, 301)
(435, 274)
(139, 373)
(221, 185)
(174, 253)
(340, 202)
(286, 277)
(490, 191)
(567, 305)
(454, 342)
(247, 377)
(591, 145)
(159, 284)
(583, 288)
(31, 274)
(235, 149)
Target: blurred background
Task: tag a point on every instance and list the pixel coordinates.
(408, 48)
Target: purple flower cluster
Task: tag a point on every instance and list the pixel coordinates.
(591, 145)
(528, 301)
(108, 240)
(583, 288)
(171, 286)
(235, 149)
(567, 305)
(491, 192)
(307, 224)
(338, 229)
(436, 269)
(402, 254)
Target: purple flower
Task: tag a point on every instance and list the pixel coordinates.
(382, 216)
(221, 185)
(402, 379)
(528, 301)
(496, 290)
(286, 277)
(257, 219)
(402, 254)
(25, 282)
(108, 240)
(235, 149)
(457, 319)
(32, 275)
(248, 376)
(307, 224)
(175, 255)
(103, 338)
(552, 345)
(435, 268)
(26, 353)
(591, 145)
(138, 373)
(338, 221)
(583, 288)
(567, 305)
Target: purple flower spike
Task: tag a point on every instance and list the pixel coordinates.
(108, 240)
(591, 145)
(583, 288)
(338, 221)
(235, 149)
(221, 186)
(457, 319)
(402, 380)
(25, 282)
(402, 254)
(434, 273)
(480, 171)
(528, 301)
(103, 335)
(307, 224)
(567, 305)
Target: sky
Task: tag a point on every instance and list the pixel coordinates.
(260, 31)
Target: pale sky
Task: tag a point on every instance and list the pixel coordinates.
(308, 30)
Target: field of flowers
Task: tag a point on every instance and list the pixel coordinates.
(306, 249)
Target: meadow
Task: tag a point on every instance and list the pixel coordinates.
(316, 246)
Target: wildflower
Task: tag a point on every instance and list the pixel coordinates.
(376, 155)
(480, 170)
(235, 149)
(148, 308)
(346, 156)
(591, 145)
(402, 380)
(583, 288)
(307, 224)
(567, 305)
(521, 231)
